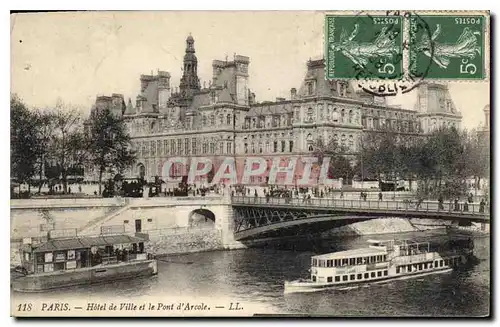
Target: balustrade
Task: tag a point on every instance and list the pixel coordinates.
(368, 205)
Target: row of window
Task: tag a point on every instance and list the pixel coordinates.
(266, 148)
(333, 116)
(354, 277)
(383, 113)
(428, 265)
(398, 125)
(210, 120)
(349, 261)
(182, 147)
(271, 121)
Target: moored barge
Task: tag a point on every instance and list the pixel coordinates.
(64, 262)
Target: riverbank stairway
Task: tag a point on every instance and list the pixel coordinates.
(89, 226)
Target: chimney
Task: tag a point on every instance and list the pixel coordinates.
(251, 98)
(293, 93)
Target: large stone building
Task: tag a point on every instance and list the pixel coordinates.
(223, 118)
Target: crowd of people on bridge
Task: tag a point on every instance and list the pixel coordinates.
(455, 205)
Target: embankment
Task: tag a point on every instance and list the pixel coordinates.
(386, 226)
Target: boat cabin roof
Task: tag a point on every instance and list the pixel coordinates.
(85, 242)
(355, 253)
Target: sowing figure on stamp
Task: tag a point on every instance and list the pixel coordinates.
(359, 53)
(466, 46)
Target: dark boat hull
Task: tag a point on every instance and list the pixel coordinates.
(85, 276)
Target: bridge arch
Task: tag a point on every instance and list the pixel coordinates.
(201, 218)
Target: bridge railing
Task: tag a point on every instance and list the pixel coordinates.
(368, 205)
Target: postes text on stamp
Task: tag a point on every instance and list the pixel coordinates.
(454, 48)
(363, 47)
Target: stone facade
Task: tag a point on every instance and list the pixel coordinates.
(223, 118)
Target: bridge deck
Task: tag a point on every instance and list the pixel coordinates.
(426, 208)
(258, 215)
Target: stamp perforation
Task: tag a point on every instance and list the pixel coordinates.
(485, 42)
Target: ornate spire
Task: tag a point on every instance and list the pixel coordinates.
(190, 44)
(190, 83)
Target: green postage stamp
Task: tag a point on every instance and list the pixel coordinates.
(447, 47)
(363, 46)
(406, 45)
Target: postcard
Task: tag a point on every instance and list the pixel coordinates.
(250, 164)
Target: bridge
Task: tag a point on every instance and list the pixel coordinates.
(216, 222)
(259, 217)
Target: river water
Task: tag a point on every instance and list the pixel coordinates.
(258, 274)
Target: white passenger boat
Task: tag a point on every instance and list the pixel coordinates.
(379, 262)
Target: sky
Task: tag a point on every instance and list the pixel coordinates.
(76, 56)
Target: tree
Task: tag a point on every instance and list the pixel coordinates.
(45, 120)
(23, 141)
(109, 143)
(69, 146)
(340, 165)
(478, 155)
(379, 155)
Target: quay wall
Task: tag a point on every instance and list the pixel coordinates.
(188, 241)
(175, 225)
(34, 222)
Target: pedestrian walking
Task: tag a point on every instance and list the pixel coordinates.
(440, 203)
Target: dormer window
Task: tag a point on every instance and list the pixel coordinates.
(311, 87)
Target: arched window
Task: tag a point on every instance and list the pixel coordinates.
(212, 120)
(343, 140)
(203, 120)
(350, 116)
(310, 141)
(342, 115)
(260, 147)
(268, 150)
(228, 119)
(335, 115)
(351, 142)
